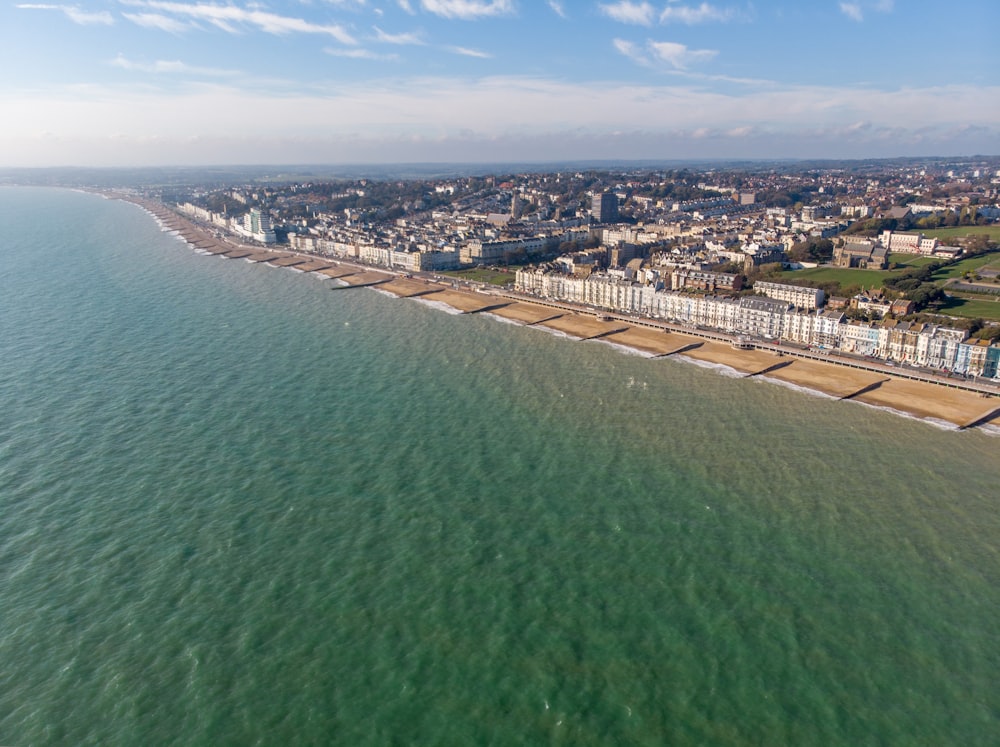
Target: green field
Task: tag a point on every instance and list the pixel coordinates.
(965, 265)
(960, 232)
(911, 260)
(482, 275)
(873, 278)
(972, 308)
(842, 275)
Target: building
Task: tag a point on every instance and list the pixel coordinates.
(908, 243)
(797, 295)
(712, 282)
(604, 207)
(861, 253)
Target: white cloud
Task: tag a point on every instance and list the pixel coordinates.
(470, 52)
(557, 8)
(412, 37)
(81, 17)
(157, 21)
(405, 5)
(679, 55)
(630, 50)
(359, 54)
(483, 119)
(856, 10)
(229, 18)
(625, 11)
(468, 9)
(675, 54)
(852, 11)
(170, 67)
(694, 15)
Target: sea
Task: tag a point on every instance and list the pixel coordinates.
(240, 505)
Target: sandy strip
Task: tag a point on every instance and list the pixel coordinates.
(745, 361)
(924, 400)
(313, 265)
(238, 253)
(265, 256)
(338, 272)
(365, 278)
(405, 287)
(582, 326)
(527, 313)
(466, 302)
(287, 260)
(652, 341)
(829, 378)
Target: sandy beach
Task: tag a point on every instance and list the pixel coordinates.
(526, 313)
(956, 406)
(652, 341)
(465, 301)
(745, 361)
(923, 400)
(582, 326)
(837, 381)
(408, 288)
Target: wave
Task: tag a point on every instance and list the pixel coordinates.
(624, 349)
(720, 368)
(440, 306)
(797, 387)
(936, 422)
(503, 319)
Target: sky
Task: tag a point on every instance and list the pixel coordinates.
(202, 82)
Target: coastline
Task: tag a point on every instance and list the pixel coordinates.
(939, 403)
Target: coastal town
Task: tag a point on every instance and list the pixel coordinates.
(891, 270)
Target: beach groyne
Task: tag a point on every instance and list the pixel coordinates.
(961, 404)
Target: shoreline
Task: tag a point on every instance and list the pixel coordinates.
(945, 404)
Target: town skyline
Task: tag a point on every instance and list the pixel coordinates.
(152, 83)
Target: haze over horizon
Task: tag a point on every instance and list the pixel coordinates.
(162, 82)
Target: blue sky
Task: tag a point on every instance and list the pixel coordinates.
(152, 82)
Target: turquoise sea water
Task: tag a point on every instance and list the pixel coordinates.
(237, 507)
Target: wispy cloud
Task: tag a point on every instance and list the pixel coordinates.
(405, 5)
(170, 67)
(157, 21)
(75, 14)
(359, 54)
(655, 53)
(468, 9)
(412, 37)
(465, 51)
(625, 11)
(856, 10)
(557, 8)
(852, 11)
(230, 18)
(693, 15)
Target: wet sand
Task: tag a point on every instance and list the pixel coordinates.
(527, 313)
(582, 326)
(923, 400)
(366, 278)
(313, 265)
(745, 361)
(288, 260)
(652, 341)
(466, 302)
(338, 272)
(837, 381)
(407, 288)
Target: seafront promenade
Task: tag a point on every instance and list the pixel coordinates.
(919, 394)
